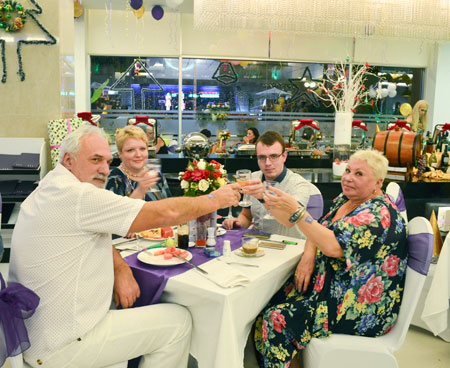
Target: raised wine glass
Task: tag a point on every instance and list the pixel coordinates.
(242, 178)
(154, 165)
(267, 184)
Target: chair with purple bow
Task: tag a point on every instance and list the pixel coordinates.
(348, 351)
(394, 191)
(315, 203)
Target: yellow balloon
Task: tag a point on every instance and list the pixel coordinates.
(244, 63)
(140, 12)
(77, 9)
(405, 109)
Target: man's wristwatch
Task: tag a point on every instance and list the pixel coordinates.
(297, 215)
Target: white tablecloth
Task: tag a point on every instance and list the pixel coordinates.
(433, 312)
(222, 318)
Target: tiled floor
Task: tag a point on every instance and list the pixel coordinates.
(420, 349)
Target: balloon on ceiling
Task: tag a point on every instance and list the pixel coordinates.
(157, 12)
(136, 4)
(140, 12)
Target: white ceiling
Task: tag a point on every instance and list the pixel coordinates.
(186, 7)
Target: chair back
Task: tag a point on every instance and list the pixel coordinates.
(420, 250)
(315, 203)
(394, 191)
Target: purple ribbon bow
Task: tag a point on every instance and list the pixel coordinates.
(17, 303)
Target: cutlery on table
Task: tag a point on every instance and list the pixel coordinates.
(237, 262)
(190, 263)
(158, 245)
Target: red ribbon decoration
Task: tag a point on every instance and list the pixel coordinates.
(359, 124)
(142, 119)
(445, 128)
(400, 124)
(86, 116)
(307, 122)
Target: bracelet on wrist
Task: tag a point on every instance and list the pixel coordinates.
(297, 215)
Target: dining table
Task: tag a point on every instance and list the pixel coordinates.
(222, 316)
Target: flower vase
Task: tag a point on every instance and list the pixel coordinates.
(342, 142)
(201, 228)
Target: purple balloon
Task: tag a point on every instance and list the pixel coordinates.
(136, 4)
(157, 12)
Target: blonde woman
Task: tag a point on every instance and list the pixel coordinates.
(418, 117)
(131, 178)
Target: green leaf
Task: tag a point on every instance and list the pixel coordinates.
(98, 92)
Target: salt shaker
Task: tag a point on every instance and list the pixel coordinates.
(226, 248)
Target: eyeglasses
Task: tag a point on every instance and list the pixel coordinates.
(270, 157)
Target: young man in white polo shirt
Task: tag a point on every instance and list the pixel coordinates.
(61, 249)
(271, 155)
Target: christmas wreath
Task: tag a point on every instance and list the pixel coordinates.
(12, 16)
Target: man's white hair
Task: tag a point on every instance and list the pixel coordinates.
(72, 142)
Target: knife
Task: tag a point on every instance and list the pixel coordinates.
(193, 265)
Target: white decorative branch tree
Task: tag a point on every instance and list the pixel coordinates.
(344, 89)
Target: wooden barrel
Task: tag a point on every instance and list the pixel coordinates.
(401, 147)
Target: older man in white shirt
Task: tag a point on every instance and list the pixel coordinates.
(61, 249)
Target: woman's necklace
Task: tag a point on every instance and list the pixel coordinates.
(128, 174)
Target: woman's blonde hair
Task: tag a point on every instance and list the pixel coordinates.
(375, 159)
(415, 115)
(130, 131)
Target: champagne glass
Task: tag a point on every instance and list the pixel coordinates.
(230, 209)
(242, 178)
(154, 166)
(267, 184)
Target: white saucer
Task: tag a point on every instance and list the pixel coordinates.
(259, 253)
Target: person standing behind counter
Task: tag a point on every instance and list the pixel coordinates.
(160, 145)
(271, 156)
(131, 178)
(351, 276)
(61, 249)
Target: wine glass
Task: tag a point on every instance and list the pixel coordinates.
(230, 209)
(267, 184)
(154, 166)
(242, 178)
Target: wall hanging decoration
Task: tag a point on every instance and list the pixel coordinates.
(136, 80)
(300, 87)
(225, 73)
(8, 10)
(77, 9)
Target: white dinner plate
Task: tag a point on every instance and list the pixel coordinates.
(148, 257)
(220, 231)
(259, 253)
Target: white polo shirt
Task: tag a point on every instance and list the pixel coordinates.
(61, 249)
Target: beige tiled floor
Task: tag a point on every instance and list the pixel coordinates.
(420, 349)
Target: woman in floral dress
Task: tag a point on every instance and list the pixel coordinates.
(351, 276)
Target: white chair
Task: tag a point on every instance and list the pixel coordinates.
(347, 351)
(394, 191)
(315, 203)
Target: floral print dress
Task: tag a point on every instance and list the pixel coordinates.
(358, 294)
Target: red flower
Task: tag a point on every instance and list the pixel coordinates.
(264, 330)
(325, 324)
(187, 175)
(216, 164)
(277, 320)
(206, 174)
(371, 291)
(390, 265)
(216, 174)
(320, 279)
(197, 175)
(339, 307)
(362, 218)
(385, 217)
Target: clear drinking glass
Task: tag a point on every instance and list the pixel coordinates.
(267, 184)
(154, 165)
(242, 178)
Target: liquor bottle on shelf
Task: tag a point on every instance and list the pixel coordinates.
(432, 162)
(444, 158)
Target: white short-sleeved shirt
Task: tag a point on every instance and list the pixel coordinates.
(293, 184)
(61, 249)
